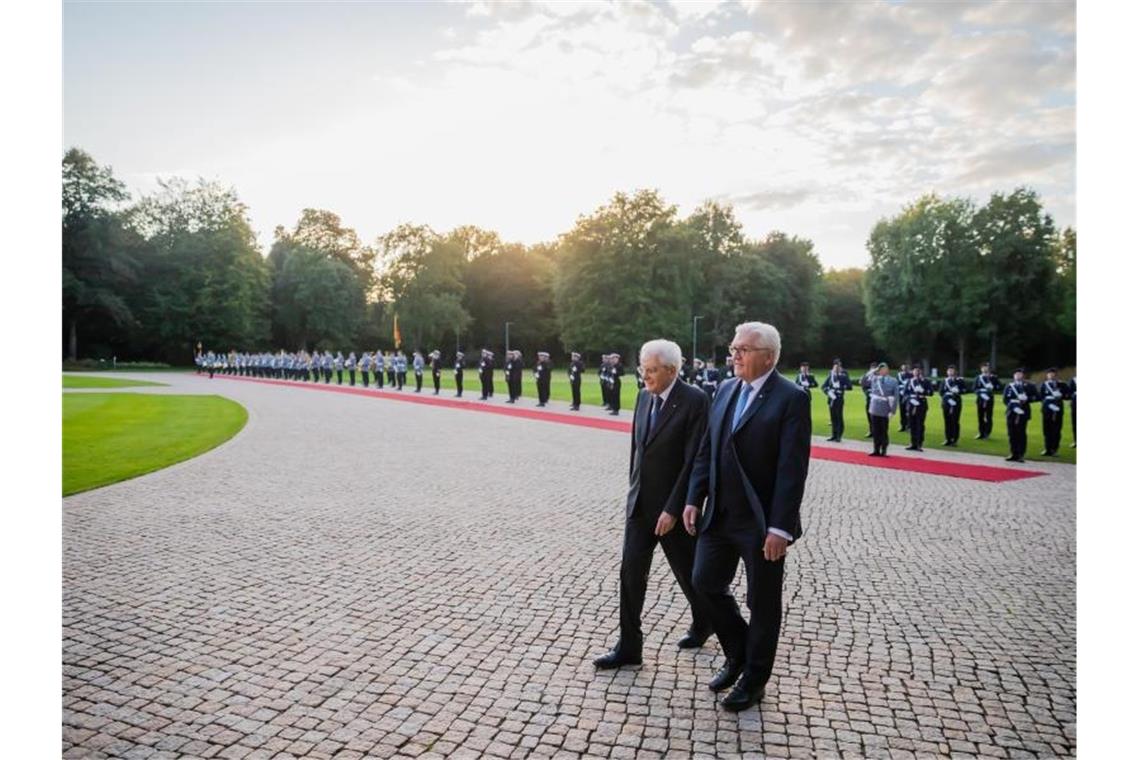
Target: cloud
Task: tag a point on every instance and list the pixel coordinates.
(762, 200)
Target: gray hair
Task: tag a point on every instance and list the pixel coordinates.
(666, 351)
(765, 335)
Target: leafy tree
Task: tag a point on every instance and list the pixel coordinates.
(512, 284)
(323, 231)
(719, 248)
(422, 283)
(791, 298)
(99, 251)
(1065, 260)
(317, 300)
(845, 332)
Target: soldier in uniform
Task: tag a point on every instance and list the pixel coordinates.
(616, 372)
(401, 368)
(952, 389)
(986, 388)
(834, 386)
(418, 369)
(350, 365)
(686, 371)
(865, 383)
(327, 366)
(605, 381)
(436, 369)
(509, 375)
(904, 388)
(365, 367)
(639, 377)
(577, 368)
(518, 374)
(1052, 393)
(806, 379)
(1018, 397)
(486, 375)
(542, 377)
(884, 401)
(1073, 409)
(729, 370)
(919, 389)
(711, 380)
(458, 374)
(390, 368)
(338, 365)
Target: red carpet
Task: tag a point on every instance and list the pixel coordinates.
(988, 473)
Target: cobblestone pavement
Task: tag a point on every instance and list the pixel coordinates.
(354, 577)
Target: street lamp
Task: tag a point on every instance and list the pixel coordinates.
(693, 358)
(507, 328)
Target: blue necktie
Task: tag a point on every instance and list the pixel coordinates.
(741, 404)
(653, 411)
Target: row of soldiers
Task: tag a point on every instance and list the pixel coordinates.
(915, 390)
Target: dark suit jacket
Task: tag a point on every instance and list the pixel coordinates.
(659, 470)
(772, 446)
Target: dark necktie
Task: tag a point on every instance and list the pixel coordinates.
(654, 412)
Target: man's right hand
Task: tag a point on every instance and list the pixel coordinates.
(691, 515)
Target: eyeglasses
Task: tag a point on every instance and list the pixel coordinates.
(734, 350)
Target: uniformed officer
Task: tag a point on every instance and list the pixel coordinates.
(401, 362)
(418, 369)
(338, 365)
(605, 381)
(577, 368)
(508, 374)
(1073, 409)
(729, 370)
(517, 375)
(1018, 397)
(1053, 393)
(390, 368)
(865, 383)
(365, 367)
(350, 365)
(952, 388)
(327, 366)
(436, 369)
(918, 391)
(486, 375)
(986, 387)
(617, 370)
(639, 377)
(834, 386)
(542, 377)
(686, 371)
(904, 388)
(458, 374)
(805, 379)
(884, 401)
(711, 379)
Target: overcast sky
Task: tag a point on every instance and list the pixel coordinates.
(812, 118)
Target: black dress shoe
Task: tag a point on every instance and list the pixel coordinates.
(693, 640)
(615, 659)
(912, 448)
(1011, 459)
(745, 695)
(978, 437)
(614, 413)
(727, 675)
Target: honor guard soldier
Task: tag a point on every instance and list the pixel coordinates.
(314, 366)
(486, 375)
(390, 368)
(436, 369)
(986, 388)
(508, 374)
(1073, 409)
(604, 380)
(517, 375)
(639, 377)
(1052, 393)
(952, 388)
(617, 370)
(919, 389)
(904, 386)
(350, 365)
(711, 379)
(884, 401)
(458, 374)
(686, 372)
(327, 366)
(577, 368)
(209, 362)
(418, 369)
(806, 379)
(338, 365)
(729, 370)
(834, 386)
(365, 367)
(542, 377)
(865, 383)
(1018, 397)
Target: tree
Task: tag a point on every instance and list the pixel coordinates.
(422, 282)
(1065, 261)
(719, 248)
(512, 284)
(792, 299)
(204, 278)
(844, 333)
(625, 273)
(99, 251)
(323, 231)
(317, 300)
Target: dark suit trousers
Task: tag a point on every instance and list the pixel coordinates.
(636, 559)
(836, 411)
(729, 539)
(985, 418)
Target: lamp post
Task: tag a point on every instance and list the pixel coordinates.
(693, 358)
(507, 329)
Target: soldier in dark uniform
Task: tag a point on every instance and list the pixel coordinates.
(952, 389)
(418, 369)
(918, 391)
(577, 368)
(486, 375)
(806, 379)
(458, 374)
(1073, 409)
(508, 375)
(986, 388)
(686, 372)
(729, 370)
(517, 375)
(1018, 396)
(1052, 393)
(639, 377)
(604, 380)
(904, 385)
(865, 383)
(436, 369)
(542, 377)
(834, 386)
(616, 372)
(711, 379)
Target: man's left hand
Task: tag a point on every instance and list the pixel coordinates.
(665, 524)
(775, 547)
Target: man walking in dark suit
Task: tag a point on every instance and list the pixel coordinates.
(669, 421)
(752, 467)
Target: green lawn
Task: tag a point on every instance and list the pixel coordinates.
(853, 414)
(86, 381)
(108, 437)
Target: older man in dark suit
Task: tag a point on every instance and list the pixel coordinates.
(751, 467)
(668, 425)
